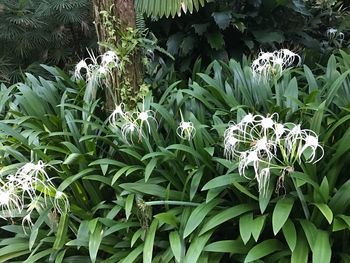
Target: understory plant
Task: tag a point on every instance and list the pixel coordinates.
(170, 180)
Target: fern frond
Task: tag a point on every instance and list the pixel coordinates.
(140, 22)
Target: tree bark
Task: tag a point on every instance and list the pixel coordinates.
(124, 12)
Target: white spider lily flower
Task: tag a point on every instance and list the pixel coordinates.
(95, 70)
(61, 202)
(186, 130)
(311, 142)
(81, 65)
(267, 123)
(273, 63)
(144, 117)
(108, 58)
(295, 134)
(10, 202)
(31, 179)
(128, 129)
(230, 143)
(265, 148)
(246, 159)
(331, 32)
(279, 131)
(287, 57)
(118, 112)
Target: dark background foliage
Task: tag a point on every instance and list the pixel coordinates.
(33, 32)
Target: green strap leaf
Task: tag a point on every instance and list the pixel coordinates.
(196, 248)
(245, 223)
(263, 249)
(290, 234)
(61, 234)
(176, 246)
(95, 241)
(326, 211)
(281, 213)
(148, 247)
(197, 216)
(226, 215)
(322, 251)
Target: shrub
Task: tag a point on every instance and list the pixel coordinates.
(160, 193)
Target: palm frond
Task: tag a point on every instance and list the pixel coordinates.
(159, 8)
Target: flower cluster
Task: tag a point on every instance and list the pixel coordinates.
(265, 144)
(96, 67)
(138, 122)
(131, 123)
(23, 191)
(273, 63)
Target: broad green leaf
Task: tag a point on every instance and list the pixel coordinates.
(151, 189)
(74, 158)
(95, 241)
(61, 235)
(341, 200)
(149, 168)
(281, 213)
(167, 218)
(291, 95)
(310, 232)
(197, 216)
(137, 234)
(338, 224)
(326, 211)
(222, 19)
(36, 227)
(223, 180)
(322, 251)
(257, 226)
(149, 242)
(34, 257)
(264, 198)
(244, 190)
(195, 182)
(196, 248)
(215, 39)
(226, 215)
(301, 251)
(176, 246)
(227, 246)
(128, 205)
(132, 256)
(265, 36)
(108, 162)
(245, 230)
(67, 182)
(12, 251)
(290, 234)
(263, 249)
(60, 256)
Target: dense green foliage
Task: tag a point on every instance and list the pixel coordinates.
(172, 179)
(225, 29)
(154, 197)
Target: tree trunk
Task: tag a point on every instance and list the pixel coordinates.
(124, 12)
